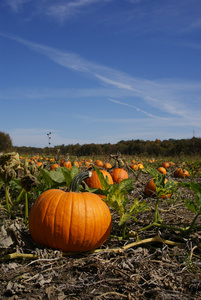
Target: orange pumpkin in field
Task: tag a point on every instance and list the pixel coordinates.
(66, 164)
(140, 166)
(165, 164)
(70, 221)
(162, 170)
(119, 174)
(134, 167)
(181, 173)
(150, 189)
(99, 163)
(39, 164)
(94, 181)
(87, 163)
(76, 163)
(107, 166)
(54, 166)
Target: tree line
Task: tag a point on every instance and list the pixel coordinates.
(138, 147)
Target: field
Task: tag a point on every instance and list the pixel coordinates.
(151, 256)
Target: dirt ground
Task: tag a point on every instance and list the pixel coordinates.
(153, 270)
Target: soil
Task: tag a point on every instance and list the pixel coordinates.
(153, 270)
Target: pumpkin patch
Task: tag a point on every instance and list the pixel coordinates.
(77, 239)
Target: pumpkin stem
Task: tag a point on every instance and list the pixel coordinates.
(74, 187)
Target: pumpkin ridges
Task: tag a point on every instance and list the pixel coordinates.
(34, 225)
(85, 230)
(44, 230)
(105, 229)
(64, 216)
(73, 229)
(69, 208)
(95, 218)
(52, 232)
(100, 233)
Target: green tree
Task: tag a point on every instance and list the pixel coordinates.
(5, 142)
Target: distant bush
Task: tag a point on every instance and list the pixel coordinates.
(5, 142)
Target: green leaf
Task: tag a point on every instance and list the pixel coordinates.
(94, 190)
(162, 187)
(53, 178)
(196, 187)
(153, 172)
(104, 181)
(136, 208)
(69, 174)
(191, 206)
(125, 217)
(126, 185)
(74, 171)
(116, 201)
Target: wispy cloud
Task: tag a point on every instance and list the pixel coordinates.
(171, 96)
(60, 10)
(138, 16)
(65, 10)
(133, 106)
(17, 5)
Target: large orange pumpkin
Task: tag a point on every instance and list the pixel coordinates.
(69, 221)
(118, 175)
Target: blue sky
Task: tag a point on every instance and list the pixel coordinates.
(99, 71)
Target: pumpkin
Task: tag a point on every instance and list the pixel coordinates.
(94, 181)
(76, 163)
(162, 170)
(181, 173)
(150, 189)
(107, 166)
(140, 166)
(118, 175)
(134, 167)
(39, 164)
(99, 163)
(54, 166)
(70, 221)
(87, 164)
(165, 164)
(66, 163)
